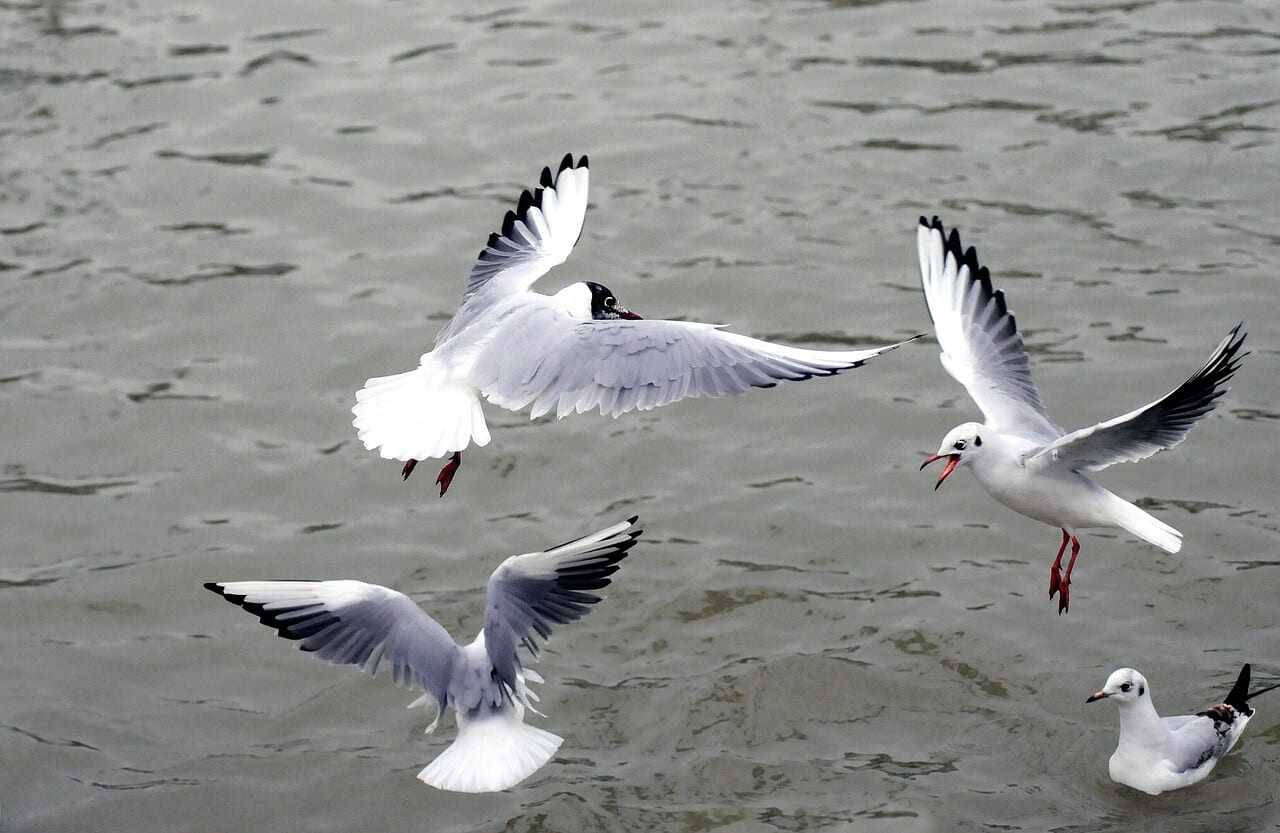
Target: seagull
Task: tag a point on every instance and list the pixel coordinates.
(1157, 754)
(573, 351)
(354, 623)
(1019, 455)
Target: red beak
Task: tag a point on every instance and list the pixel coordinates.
(628, 314)
(953, 460)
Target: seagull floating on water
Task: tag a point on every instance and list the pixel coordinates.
(354, 623)
(1157, 754)
(573, 351)
(1019, 455)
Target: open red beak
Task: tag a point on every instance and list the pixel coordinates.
(628, 314)
(953, 460)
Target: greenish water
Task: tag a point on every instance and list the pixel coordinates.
(217, 219)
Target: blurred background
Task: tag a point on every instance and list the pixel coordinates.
(218, 218)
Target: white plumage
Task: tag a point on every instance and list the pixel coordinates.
(349, 622)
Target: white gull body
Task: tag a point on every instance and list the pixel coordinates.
(570, 352)
(353, 623)
(1018, 454)
(1156, 754)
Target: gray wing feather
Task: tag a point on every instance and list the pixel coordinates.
(537, 236)
(981, 346)
(1154, 427)
(1194, 740)
(353, 623)
(530, 593)
(544, 358)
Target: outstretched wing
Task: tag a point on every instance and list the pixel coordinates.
(529, 593)
(981, 346)
(545, 358)
(353, 623)
(1154, 427)
(538, 235)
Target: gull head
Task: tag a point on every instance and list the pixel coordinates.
(1125, 686)
(961, 445)
(588, 300)
(605, 306)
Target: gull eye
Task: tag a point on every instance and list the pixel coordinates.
(610, 301)
(1126, 686)
(959, 446)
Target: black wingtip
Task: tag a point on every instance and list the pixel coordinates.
(214, 587)
(1238, 698)
(582, 163)
(566, 163)
(545, 180)
(633, 519)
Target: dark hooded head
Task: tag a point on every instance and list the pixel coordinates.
(604, 306)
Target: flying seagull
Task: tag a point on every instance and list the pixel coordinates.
(573, 351)
(1019, 455)
(354, 623)
(1157, 754)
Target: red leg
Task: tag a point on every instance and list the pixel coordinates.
(1066, 580)
(450, 468)
(408, 469)
(1055, 579)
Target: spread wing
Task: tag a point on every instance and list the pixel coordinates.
(545, 358)
(529, 593)
(981, 346)
(538, 235)
(353, 623)
(1154, 427)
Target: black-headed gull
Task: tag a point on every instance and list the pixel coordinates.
(354, 623)
(573, 351)
(1019, 455)
(1157, 754)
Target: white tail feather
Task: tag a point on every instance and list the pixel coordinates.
(415, 415)
(1147, 527)
(491, 753)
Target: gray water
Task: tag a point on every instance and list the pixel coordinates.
(218, 218)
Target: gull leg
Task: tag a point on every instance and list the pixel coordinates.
(1055, 578)
(1066, 580)
(446, 474)
(408, 469)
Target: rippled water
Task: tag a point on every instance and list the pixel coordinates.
(218, 218)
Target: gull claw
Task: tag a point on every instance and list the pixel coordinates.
(446, 474)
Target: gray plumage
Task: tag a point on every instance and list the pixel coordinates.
(350, 622)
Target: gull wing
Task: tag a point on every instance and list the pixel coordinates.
(981, 346)
(353, 623)
(538, 235)
(1194, 740)
(1154, 427)
(545, 358)
(529, 593)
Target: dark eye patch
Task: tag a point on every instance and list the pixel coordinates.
(977, 441)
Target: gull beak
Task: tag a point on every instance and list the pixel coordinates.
(623, 312)
(1097, 695)
(953, 460)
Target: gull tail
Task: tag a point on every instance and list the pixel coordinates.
(1147, 527)
(419, 414)
(493, 751)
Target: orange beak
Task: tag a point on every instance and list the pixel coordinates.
(953, 460)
